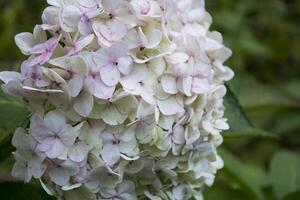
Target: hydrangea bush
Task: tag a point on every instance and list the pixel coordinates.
(126, 99)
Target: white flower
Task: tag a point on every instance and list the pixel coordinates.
(93, 82)
(80, 16)
(37, 45)
(116, 110)
(83, 144)
(123, 191)
(33, 76)
(29, 161)
(117, 144)
(113, 62)
(76, 67)
(53, 134)
(126, 99)
(61, 171)
(141, 82)
(189, 78)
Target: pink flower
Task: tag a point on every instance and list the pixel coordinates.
(43, 52)
(113, 62)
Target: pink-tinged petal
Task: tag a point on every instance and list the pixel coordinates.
(83, 104)
(45, 50)
(110, 75)
(85, 25)
(41, 59)
(46, 145)
(75, 84)
(169, 84)
(142, 7)
(48, 46)
(125, 65)
(81, 44)
(56, 150)
(38, 49)
(113, 30)
(200, 86)
(110, 154)
(99, 89)
(101, 40)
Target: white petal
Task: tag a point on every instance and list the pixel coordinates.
(75, 85)
(110, 154)
(10, 76)
(25, 41)
(71, 16)
(83, 104)
(187, 86)
(78, 152)
(111, 6)
(54, 121)
(170, 106)
(177, 57)
(200, 86)
(113, 30)
(59, 176)
(169, 84)
(125, 65)
(110, 75)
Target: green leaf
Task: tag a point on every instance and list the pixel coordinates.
(287, 122)
(292, 196)
(79, 194)
(20, 191)
(255, 95)
(240, 126)
(13, 112)
(292, 88)
(223, 193)
(249, 177)
(285, 173)
(6, 148)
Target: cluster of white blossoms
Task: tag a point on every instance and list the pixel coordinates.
(126, 99)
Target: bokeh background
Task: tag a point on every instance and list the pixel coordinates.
(265, 38)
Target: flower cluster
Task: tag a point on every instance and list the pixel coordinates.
(126, 99)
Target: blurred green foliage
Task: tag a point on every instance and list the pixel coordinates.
(261, 151)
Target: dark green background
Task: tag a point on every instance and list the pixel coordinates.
(265, 38)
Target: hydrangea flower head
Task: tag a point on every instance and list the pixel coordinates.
(126, 99)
